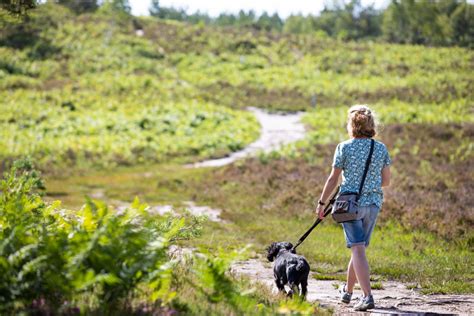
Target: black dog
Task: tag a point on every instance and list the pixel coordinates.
(289, 268)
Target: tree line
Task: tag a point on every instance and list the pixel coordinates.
(426, 22)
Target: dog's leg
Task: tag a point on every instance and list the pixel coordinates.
(304, 288)
(279, 285)
(293, 289)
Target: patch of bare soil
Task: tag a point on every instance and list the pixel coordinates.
(196, 210)
(394, 298)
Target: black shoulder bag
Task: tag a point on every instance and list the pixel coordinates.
(346, 206)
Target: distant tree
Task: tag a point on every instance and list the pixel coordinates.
(344, 20)
(396, 23)
(346, 27)
(170, 13)
(435, 25)
(449, 6)
(154, 7)
(277, 22)
(199, 17)
(264, 22)
(349, 20)
(18, 7)
(419, 22)
(428, 22)
(326, 21)
(369, 22)
(79, 6)
(267, 22)
(122, 5)
(462, 23)
(118, 11)
(225, 19)
(246, 18)
(118, 5)
(299, 24)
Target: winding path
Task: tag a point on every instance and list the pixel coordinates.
(276, 130)
(395, 298)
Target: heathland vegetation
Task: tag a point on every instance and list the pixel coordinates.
(101, 100)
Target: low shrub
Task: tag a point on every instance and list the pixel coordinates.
(92, 259)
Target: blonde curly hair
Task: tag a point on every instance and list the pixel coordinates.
(361, 121)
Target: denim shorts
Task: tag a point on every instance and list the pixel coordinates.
(358, 232)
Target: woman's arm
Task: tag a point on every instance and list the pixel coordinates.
(331, 184)
(386, 176)
(329, 187)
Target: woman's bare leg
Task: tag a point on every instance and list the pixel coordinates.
(351, 277)
(361, 268)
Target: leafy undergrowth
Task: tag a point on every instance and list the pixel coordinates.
(58, 260)
(104, 262)
(109, 131)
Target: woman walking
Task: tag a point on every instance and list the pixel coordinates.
(350, 159)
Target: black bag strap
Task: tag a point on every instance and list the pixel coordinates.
(367, 163)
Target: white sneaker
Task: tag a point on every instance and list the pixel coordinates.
(365, 303)
(345, 296)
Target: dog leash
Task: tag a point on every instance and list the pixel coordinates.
(327, 210)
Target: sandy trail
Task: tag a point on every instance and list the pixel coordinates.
(276, 130)
(395, 298)
(212, 214)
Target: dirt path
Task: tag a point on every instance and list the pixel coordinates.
(212, 214)
(276, 130)
(395, 298)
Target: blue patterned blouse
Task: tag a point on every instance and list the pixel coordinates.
(350, 156)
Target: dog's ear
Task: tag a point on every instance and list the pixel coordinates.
(289, 246)
(272, 251)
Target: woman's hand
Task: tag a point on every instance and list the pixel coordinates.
(320, 211)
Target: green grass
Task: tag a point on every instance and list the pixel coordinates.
(272, 202)
(154, 184)
(394, 253)
(412, 256)
(106, 131)
(326, 277)
(408, 255)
